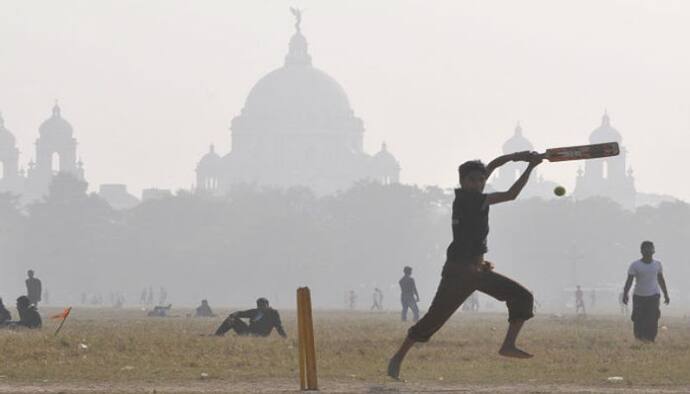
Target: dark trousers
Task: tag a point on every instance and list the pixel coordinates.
(645, 317)
(231, 323)
(411, 304)
(458, 282)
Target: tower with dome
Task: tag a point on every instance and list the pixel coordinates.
(608, 177)
(56, 151)
(296, 128)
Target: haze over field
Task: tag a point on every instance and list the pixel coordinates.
(148, 85)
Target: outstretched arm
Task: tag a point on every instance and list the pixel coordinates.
(511, 194)
(626, 289)
(662, 284)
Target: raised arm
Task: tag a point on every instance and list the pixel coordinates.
(662, 284)
(511, 194)
(626, 288)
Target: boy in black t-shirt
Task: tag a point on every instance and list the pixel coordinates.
(465, 269)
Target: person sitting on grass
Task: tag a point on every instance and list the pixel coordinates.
(262, 320)
(28, 315)
(204, 310)
(5, 315)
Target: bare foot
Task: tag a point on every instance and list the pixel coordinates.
(514, 352)
(394, 368)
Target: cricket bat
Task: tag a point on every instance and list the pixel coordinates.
(582, 152)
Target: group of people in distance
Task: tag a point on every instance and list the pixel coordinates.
(26, 307)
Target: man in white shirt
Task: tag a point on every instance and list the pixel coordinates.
(648, 276)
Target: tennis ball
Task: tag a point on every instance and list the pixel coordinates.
(559, 191)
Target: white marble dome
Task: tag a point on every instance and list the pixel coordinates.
(297, 98)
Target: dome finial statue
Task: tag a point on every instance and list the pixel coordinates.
(298, 17)
(605, 119)
(56, 108)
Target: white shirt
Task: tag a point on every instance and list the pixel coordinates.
(646, 283)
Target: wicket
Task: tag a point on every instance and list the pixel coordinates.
(307, 353)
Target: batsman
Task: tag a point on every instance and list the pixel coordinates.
(465, 270)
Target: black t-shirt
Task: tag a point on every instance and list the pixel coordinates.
(470, 225)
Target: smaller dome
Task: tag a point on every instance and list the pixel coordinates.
(210, 162)
(605, 133)
(517, 143)
(6, 137)
(385, 159)
(56, 125)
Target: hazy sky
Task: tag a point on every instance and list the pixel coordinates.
(148, 85)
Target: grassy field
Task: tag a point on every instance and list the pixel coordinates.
(110, 350)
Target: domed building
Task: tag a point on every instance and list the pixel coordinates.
(508, 173)
(56, 151)
(297, 127)
(609, 176)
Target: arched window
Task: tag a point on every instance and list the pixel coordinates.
(55, 162)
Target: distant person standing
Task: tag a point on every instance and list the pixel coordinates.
(648, 276)
(377, 298)
(592, 298)
(408, 295)
(33, 288)
(579, 301)
(352, 299)
(149, 296)
(162, 296)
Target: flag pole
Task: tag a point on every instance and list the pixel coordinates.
(63, 321)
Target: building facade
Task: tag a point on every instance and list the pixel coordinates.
(608, 177)
(56, 152)
(296, 128)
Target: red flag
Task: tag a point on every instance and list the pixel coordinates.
(62, 315)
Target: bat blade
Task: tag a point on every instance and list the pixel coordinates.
(582, 152)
